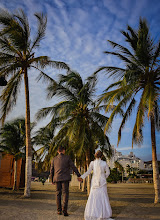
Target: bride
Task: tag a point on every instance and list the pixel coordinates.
(98, 206)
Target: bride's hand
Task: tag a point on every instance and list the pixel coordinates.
(80, 179)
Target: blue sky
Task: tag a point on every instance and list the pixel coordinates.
(77, 33)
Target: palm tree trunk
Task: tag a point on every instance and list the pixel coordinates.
(122, 176)
(80, 184)
(15, 175)
(156, 180)
(89, 176)
(28, 170)
(84, 181)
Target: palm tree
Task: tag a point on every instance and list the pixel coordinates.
(138, 84)
(17, 56)
(80, 124)
(44, 139)
(13, 142)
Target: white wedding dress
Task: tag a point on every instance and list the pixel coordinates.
(98, 206)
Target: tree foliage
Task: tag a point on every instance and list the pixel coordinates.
(12, 138)
(138, 83)
(17, 53)
(80, 124)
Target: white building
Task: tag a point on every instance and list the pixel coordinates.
(125, 160)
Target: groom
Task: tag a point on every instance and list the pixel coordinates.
(61, 166)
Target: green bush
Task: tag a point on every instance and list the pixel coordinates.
(114, 176)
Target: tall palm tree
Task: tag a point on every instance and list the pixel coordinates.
(17, 56)
(138, 85)
(12, 141)
(81, 124)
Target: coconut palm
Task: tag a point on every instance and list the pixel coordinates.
(12, 142)
(17, 56)
(138, 85)
(81, 125)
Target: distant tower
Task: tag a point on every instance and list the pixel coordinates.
(131, 154)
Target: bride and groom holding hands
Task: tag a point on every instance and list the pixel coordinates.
(98, 206)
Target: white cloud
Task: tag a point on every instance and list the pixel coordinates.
(59, 3)
(115, 8)
(130, 148)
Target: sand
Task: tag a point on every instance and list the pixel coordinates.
(128, 202)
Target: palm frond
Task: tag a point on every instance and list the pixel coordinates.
(6, 46)
(137, 135)
(122, 57)
(42, 22)
(60, 91)
(9, 95)
(23, 20)
(131, 37)
(156, 55)
(112, 71)
(118, 108)
(42, 113)
(122, 49)
(125, 117)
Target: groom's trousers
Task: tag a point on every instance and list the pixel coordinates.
(62, 188)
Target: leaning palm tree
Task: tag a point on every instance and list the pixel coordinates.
(138, 85)
(80, 123)
(12, 141)
(17, 56)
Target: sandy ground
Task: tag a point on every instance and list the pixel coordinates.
(128, 201)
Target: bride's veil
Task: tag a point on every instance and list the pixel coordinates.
(97, 173)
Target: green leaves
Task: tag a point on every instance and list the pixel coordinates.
(17, 54)
(80, 124)
(13, 138)
(138, 81)
(42, 23)
(9, 95)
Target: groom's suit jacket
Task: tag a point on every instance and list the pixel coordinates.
(61, 166)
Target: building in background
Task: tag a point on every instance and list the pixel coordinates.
(128, 161)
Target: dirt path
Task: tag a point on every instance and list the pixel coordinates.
(128, 201)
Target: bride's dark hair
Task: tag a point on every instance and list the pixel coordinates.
(98, 154)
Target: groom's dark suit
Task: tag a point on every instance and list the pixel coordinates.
(61, 166)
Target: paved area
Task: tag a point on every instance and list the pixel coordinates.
(128, 201)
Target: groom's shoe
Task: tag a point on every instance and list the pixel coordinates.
(65, 213)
